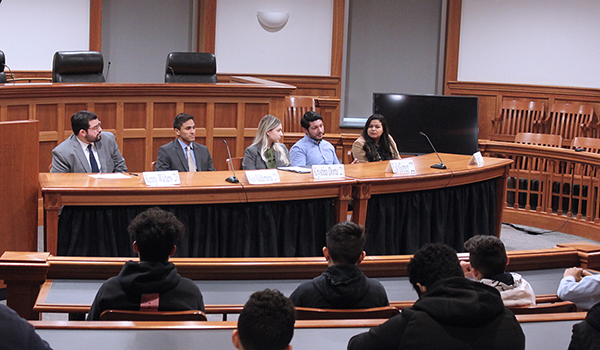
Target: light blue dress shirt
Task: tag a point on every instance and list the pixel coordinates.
(183, 145)
(308, 152)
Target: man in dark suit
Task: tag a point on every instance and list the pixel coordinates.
(175, 155)
(89, 149)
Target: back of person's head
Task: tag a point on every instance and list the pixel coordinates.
(309, 117)
(180, 119)
(432, 263)
(487, 254)
(267, 321)
(81, 121)
(156, 232)
(345, 242)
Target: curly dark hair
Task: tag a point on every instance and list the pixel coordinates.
(487, 254)
(267, 321)
(432, 263)
(156, 232)
(383, 150)
(345, 242)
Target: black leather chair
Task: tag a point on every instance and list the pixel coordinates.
(191, 67)
(77, 67)
(2, 62)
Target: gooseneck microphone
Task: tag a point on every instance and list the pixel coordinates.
(233, 179)
(175, 77)
(107, 72)
(439, 165)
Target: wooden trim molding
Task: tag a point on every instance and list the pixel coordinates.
(207, 25)
(95, 25)
(453, 18)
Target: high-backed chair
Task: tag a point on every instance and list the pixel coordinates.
(536, 139)
(571, 120)
(517, 116)
(191, 67)
(77, 67)
(2, 63)
(308, 313)
(129, 315)
(296, 106)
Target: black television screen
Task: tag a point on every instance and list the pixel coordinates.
(451, 122)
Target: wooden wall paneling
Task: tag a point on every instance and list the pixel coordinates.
(17, 112)
(453, 18)
(239, 131)
(164, 113)
(134, 115)
(134, 152)
(95, 25)
(219, 152)
(70, 109)
(47, 115)
(107, 113)
(45, 150)
(198, 110)
(207, 24)
(225, 115)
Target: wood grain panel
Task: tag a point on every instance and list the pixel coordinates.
(132, 149)
(198, 110)
(47, 115)
(219, 153)
(255, 112)
(164, 114)
(226, 115)
(17, 113)
(46, 155)
(70, 109)
(134, 115)
(107, 113)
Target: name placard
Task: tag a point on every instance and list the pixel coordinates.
(161, 178)
(261, 177)
(476, 159)
(401, 166)
(328, 171)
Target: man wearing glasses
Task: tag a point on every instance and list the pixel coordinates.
(88, 150)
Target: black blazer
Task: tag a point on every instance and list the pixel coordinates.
(171, 157)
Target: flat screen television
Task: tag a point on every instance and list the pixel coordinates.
(451, 122)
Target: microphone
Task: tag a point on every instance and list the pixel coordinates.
(107, 71)
(233, 179)
(10, 70)
(439, 165)
(175, 77)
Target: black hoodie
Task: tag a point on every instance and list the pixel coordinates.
(123, 292)
(586, 334)
(341, 286)
(455, 313)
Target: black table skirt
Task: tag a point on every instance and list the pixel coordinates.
(266, 229)
(400, 223)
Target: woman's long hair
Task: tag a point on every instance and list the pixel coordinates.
(375, 152)
(267, 123)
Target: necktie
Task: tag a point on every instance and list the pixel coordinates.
(93, 163)
(190, 158)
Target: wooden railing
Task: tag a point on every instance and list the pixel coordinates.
(551, 188)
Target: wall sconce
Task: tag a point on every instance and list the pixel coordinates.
(272, 21)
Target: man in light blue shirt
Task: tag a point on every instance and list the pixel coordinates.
(312, 149)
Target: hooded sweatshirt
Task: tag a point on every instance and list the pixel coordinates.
(124, 291)
(341, 286)
(455, 313)
(513, 288)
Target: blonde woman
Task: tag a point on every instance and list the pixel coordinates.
(266, 152)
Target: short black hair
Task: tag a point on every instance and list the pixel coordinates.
(345, 242)
(309, 117)
(81, 121)
(156, 232)
(487, 254)
(432, 263)
(267, 321)
(180, 119)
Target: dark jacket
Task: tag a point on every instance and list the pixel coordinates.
(18, 334)
(586, 334)
(340, 287)
(171, 157)
(124, 291)
(455, 313)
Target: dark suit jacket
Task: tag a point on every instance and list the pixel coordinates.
(171, 157)
(68, 157)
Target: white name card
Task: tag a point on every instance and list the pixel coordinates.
(261, 177)
(476, 159)
(161, 178)
(401, 166)
(328, 171)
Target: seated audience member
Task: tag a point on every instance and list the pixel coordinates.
(266, 152)
(343, 285)
(88, 149)
(586, 334)
(18, 334)
(312, 149)
(487, 264)
(375, 143)
(452, 312)
(265, 323)
(153, 283)
(580, 287)
(184, 154)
